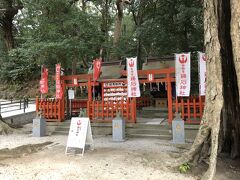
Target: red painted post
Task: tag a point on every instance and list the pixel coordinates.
(127, 109)
(59, 110)
(169, 94)
(55, 109)
(200, 106)
(97, 109)
(107, 110)
(47, 115)
(194, 108)
(88, 109)
(188, 108)
(122, 107)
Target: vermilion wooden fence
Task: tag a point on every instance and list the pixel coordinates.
(77, 104)
(105, 111)
(51, 109)
(190, 108)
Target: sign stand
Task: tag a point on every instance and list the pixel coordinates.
(70, 97)
(80, 134)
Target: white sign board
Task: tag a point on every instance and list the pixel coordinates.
(132, 78)
(71, 94)
(80, 133)
(202, 73)
(75, 81)
(182, 65)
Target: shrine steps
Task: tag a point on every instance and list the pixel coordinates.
(139, 130)
(152, 112)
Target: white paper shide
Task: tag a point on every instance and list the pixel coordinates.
(132, 78)
(183, 72)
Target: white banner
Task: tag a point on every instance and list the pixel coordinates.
(132, 78)
(183, 72)
(202, 73)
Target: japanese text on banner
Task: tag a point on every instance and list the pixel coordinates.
(59, 91)
(44, 81)
(132, 78)
(182, 65)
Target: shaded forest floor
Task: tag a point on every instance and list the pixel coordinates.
(132, 159)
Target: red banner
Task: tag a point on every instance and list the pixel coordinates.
(59, 91)
(44, 81)
(97, 64)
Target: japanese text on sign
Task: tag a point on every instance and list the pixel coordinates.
(182, 74)
(132, 78)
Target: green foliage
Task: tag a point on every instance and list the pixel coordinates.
(184, 168)
(19, 67)
(169, 27)
(57, 31)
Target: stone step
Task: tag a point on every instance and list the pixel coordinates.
(148, 131)
(150, 116)
(143, 126)
(154, 109)
(162, 137)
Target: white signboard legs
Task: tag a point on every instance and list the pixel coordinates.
(80, 134)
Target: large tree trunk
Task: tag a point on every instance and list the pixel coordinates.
(118, 22)
(235, 36)
(118, 26)
(219, 130)
(8, 10)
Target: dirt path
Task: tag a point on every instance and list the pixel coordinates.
(133, 159)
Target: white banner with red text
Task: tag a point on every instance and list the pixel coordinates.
(202, 73)
(183, 72)
(132, 78)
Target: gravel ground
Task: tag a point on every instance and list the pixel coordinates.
(132, 159)
(137, 158)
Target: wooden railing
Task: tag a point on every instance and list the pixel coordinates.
(190, 108)
(143, 102)
(51, 109)
(105, 111)
(78, 104)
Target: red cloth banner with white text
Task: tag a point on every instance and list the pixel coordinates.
(202, 73)
(97, 65)
(59, 91)
(182, 65)
(132, 78)
(44, 81)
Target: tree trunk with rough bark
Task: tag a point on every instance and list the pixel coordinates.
(220, 126)
(8, 10)
(118, 22)
(118, 26)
